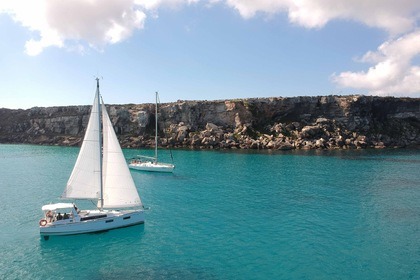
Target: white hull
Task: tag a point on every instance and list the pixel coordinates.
(154, 167)
(93, 221)
(151, 163)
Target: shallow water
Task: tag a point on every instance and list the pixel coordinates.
(226, 215)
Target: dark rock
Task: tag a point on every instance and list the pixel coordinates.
(324, 122)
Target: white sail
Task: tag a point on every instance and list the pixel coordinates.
(84, 181)
(119, 189)
(100, 174)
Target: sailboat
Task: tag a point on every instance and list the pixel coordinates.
(101, 175)
(145, 163)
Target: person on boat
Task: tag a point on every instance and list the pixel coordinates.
(74, 212)
(59, 217)
(49, 215)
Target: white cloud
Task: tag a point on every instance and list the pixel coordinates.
(156, 4)
(71, 24)
(393, 16)
(249, 8)
(56, 23)
(393, 72)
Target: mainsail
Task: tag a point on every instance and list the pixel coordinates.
(85, 180)
(117, 185)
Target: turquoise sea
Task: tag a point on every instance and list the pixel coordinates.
(226, 215)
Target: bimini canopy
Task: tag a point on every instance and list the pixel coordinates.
(56, 206)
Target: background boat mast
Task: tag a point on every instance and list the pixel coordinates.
(156, 128)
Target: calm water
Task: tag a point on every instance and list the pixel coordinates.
(226, 215)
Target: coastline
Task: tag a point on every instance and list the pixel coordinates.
(295, 123)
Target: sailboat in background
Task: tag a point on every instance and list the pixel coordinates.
(101, 175)
(145, 163)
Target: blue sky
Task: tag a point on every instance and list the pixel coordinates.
(205, 49)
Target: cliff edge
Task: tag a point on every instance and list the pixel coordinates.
(322, 122)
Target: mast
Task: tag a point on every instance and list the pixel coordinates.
(100, 144)
(156, 128)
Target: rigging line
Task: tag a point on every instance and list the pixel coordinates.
(164, 131)
(167, 143)
(95, 204)
(170, 151)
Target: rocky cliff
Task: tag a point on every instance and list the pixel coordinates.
(323, 122)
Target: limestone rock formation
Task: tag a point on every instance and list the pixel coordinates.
(323, 122)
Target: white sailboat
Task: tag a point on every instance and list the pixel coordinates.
(101, 175)
(151, 163)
